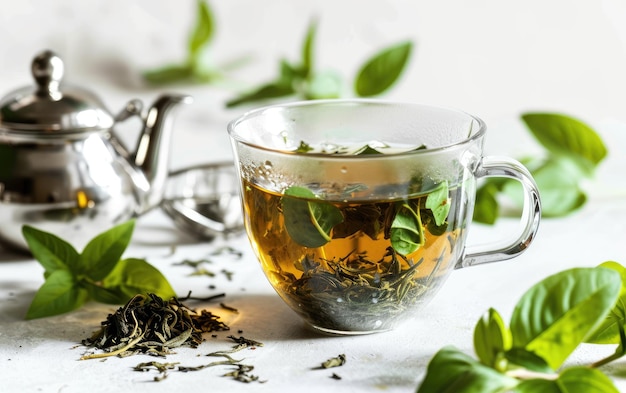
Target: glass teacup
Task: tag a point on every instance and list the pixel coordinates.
(358, 210)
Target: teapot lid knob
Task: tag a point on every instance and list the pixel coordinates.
(52, 107)
(47, 69)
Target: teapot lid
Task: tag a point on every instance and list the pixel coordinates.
(47, 108)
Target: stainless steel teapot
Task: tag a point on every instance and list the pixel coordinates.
(62, 168)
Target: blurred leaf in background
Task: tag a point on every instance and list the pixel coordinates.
(377, 75)
(195, 68)
(573, 151)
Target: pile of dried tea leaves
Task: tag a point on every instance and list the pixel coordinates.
(151, 325)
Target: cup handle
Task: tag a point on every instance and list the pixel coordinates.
(496, 166)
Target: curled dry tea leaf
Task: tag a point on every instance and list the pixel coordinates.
(150, 324)
(335, 362)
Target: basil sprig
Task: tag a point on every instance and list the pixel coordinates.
(573, 151)
(72, 278)
(378, 74)
(195, 68)
(548, 323)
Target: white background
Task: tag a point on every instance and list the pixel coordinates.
(493, 58)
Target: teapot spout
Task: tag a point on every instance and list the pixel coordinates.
(153, 148)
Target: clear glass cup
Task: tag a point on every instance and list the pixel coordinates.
(358, 210)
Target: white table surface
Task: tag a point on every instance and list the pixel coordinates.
(43, 355)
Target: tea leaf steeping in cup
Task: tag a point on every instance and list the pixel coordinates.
(358, 209)
(353, 265)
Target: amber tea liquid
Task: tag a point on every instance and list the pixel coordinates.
(356, 281)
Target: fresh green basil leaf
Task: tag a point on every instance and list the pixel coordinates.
(528, 360)
(288, 73)
(59, 294)
(572, 380)
(104, 251)
(366, 150)
(104, 295)
(169, 74)
(407, 233)
(553, 329)
(451, 371)
(365, 218)
(438, 202)
(381, 71)
(558, 179)
(52, 252)
(202, 33)
(491, 339)
(486, 208)
(308, 221)
(307, 50)
(268, 91)
(323, 85)
(131, 277)
(609, 331)
(562, 134)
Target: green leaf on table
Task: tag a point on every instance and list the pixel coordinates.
(552, 329)
(609, 331)
(451, 371)
(406, 233)
(492, 338)
(438, 201)
(381, 71)
(203, 31)
(308, 221)
(571, 380)
(52, 252)
(565, 135)
(131, 277)
(97, 273)
(59, 294)
(104, 251)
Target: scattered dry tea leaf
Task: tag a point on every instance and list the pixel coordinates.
(335, 362)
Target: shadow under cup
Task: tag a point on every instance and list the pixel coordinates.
(358, 210)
